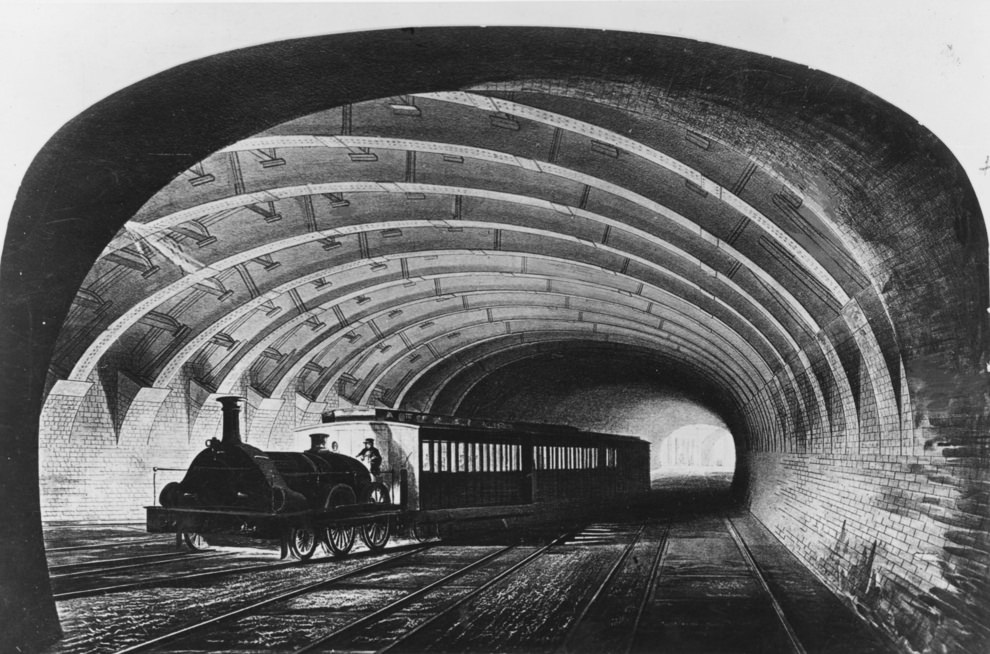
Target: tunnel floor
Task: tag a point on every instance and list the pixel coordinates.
(686, 575)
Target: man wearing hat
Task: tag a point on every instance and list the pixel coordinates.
(372, 456)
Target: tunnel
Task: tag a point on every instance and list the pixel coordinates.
(549, 225)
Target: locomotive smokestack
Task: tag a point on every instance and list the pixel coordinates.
(231, 407)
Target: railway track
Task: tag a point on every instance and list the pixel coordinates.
(747, 555)
(506, 561)
(374, 630)
(611, 587)
(124, 563)
(197, 628)
(203, 575)
(97, 546)
(596, 569)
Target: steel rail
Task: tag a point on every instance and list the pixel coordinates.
(145, 564)
(472, 593)
(650, 584)
(127, 559)
(401, 602)
(73, 548)
(281, 597)
(146, 583)
(751, 563)
(565, 645)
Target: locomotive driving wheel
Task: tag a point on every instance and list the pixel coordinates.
(376, 493)
(303, 542)
(339, 539)
(375, 534)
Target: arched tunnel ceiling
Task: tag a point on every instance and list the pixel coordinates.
(747, 225)
(380, 248)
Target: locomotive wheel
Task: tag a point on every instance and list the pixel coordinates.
(195, 541)
(375, 534)
(376, 493)
(424, 531)
(339, 539)
(303, 542)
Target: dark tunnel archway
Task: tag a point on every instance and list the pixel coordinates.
(615, 391)
(806, 221)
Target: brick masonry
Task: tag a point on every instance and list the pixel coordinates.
(91, 471)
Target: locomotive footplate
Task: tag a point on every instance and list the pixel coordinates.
(262, 525)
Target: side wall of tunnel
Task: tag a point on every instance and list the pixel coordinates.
(96, 469)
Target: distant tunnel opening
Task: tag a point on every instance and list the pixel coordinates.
(697, 455)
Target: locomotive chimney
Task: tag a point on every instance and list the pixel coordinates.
(231, 407)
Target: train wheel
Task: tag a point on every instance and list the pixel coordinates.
(424, 531)
(375, 534)
(303, 542)
(339, 539)
(376, 493)
(194, 541)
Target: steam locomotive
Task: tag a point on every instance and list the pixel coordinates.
(436, 468)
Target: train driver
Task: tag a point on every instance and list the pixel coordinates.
(371, 456)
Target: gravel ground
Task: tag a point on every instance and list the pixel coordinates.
(107, 623)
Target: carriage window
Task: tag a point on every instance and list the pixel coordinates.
(426, 455)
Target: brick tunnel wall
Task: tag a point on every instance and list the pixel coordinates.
(97, 467)
(889, 506)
